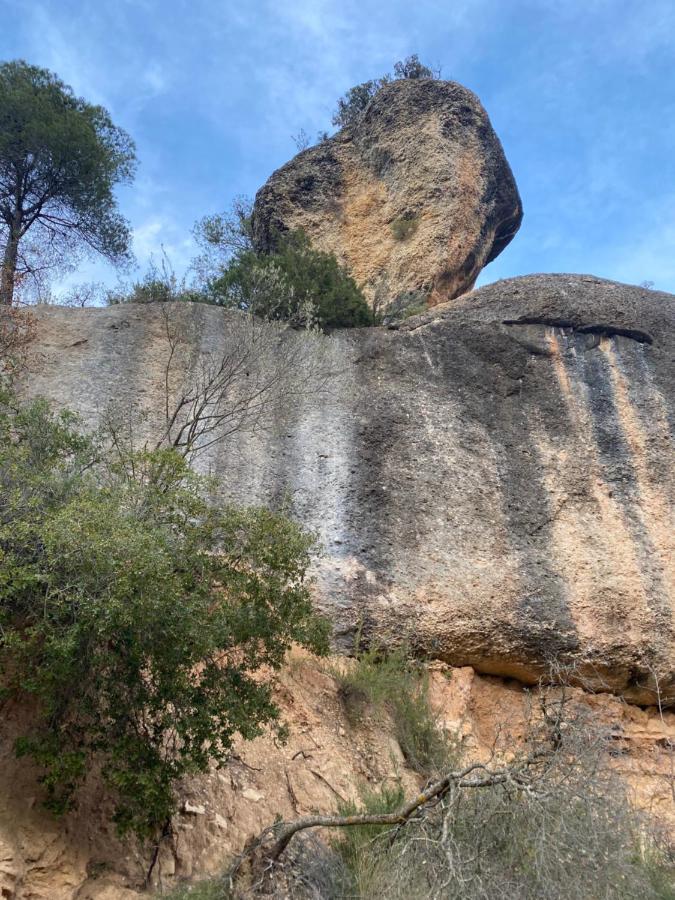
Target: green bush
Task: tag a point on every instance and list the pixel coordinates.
(296, 283)
(353, 104)
(395, 684)
(404, 227)
(292, 283)
(411, 67)
(355, 842)
(138, 617)
(351, 107)
(160, 284)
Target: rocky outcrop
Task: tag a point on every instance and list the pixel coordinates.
(47, 858)
(492, 482)
(327, 760)
(415, 198)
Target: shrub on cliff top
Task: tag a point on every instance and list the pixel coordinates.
(139, 618)
(159, 284)
(295, 283)
(353, 104)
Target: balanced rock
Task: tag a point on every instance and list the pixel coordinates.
(415, 198)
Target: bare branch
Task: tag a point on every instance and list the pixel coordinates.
(258, 372)
(525, 775)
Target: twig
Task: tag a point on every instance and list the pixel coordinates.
(303, 753)
(282, 833)
(291, 792)
(326, 782)
(167, 830)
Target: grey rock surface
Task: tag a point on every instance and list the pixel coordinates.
(492, 482)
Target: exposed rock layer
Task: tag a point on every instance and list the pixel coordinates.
(414, 199)
(492, 482)
(325, 760)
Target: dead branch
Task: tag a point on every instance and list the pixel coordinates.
(265, 851)
(16, 332)
(259, 371)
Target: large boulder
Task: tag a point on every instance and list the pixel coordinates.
(492, 482)
(414, 199)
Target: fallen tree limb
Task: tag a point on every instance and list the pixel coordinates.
(265, 850)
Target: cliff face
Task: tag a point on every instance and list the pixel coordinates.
(492, 482)
(414, 199)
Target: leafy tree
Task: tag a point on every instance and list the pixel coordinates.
(221, 237)
(227, 233)
(351, 107)
(295, 283)
(411, 67)
(60, 158)
(143, 621)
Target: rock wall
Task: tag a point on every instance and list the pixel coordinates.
(415, 198)
(492, 482)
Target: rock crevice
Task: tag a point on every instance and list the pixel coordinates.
(600, 329)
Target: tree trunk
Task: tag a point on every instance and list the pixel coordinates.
(8, 274)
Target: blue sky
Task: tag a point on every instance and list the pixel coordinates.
(581, 93)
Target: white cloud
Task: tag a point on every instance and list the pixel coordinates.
(160, 235)
(650, 254)
(155, 79)
(54, 49)
(212, 91)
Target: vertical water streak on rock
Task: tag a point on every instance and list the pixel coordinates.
(595, 552)
(651, 509)
(319, 450)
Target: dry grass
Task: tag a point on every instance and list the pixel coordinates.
(394, 685)
(566, 832)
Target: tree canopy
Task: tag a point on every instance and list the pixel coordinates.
(143, 621)
(60, 159)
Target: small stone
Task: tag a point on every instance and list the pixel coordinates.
(193, 809)
(253, 795)
(220, 822)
